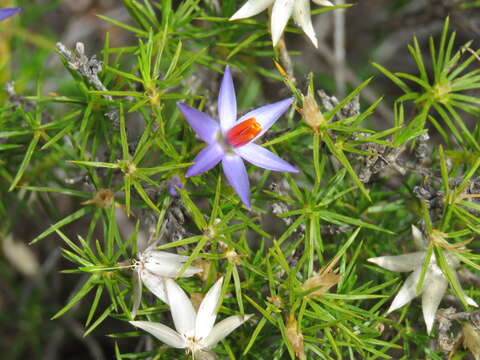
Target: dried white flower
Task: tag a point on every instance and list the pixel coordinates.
(434, 285)
(152, 269)
(195, 332)
(281, 12)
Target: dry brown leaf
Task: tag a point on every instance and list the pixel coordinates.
(205, 265)
(457, 342)
(438, 238)
(471, 340)
(295, 338)
(323, 281)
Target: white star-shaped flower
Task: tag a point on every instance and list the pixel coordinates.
(152, 269)
(195, 332)
(434, 285)
(281, 12)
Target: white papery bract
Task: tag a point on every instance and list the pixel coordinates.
(152, 269)
(434, 284)
(281, 12)
(194, 331)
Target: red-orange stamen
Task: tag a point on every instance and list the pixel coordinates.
(244, 132)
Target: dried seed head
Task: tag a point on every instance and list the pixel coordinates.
(233, 257)
(130, 168)
(103, 198)
(311, 112)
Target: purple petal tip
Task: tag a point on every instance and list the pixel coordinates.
(247, 203)
(236, 174)
(261, 157)
(7, 12)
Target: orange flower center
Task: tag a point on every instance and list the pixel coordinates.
(244, 132)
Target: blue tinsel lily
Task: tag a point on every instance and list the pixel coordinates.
(231, 141)
(6, 13)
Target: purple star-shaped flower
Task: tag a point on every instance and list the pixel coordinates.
(232, 139)
(6, 13)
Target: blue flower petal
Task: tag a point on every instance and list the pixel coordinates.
(204, 126)
(206, 159)
(236, 174)
(6, 13)
(261, 157)
(227, 102)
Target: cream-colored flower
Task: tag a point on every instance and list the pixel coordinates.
(281, 12)
(195, 331)
(153, 268)
(434, 285)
